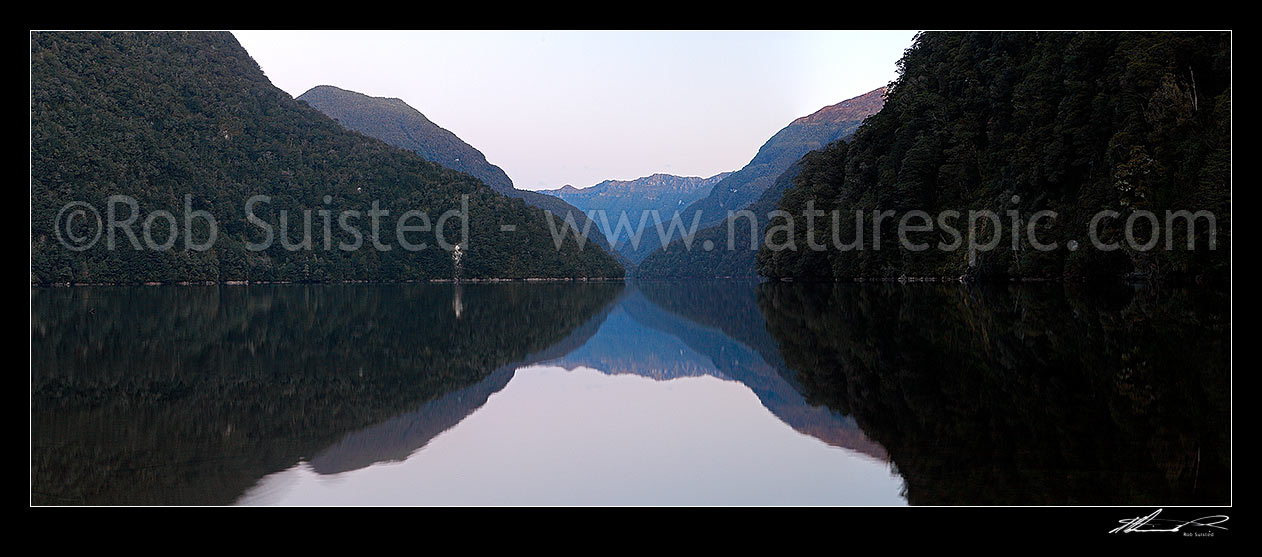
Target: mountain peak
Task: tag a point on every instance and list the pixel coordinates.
(327, 88)
(399, 124)
(396, 122)
(856, 108)
(653, 184)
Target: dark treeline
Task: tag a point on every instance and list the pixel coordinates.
(1029, 395)
(1075, 123)
(158, 116)
(190, 395)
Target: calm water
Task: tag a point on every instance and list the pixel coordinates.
(648, 393)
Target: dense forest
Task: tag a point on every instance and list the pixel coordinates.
(1075, 123)
(133, 403)
(1041, 394)
(162, 116)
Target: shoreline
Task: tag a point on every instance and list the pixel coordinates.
(789, 280)
(365, 281)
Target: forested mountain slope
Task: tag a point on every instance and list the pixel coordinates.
(1075, 123)
(165, 117)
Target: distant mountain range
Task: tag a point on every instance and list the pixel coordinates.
(679, 261)
(757, 187)
(665, 193)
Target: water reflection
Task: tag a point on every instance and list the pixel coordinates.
(189, 395)
(554, 436)
(656, 431)
(1031, 395)
(655, 393)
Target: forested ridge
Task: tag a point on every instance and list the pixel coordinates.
(158, 116)
(1075, 123)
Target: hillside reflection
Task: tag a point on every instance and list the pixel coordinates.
(189, 395)
(632, 336)
(1023, 395)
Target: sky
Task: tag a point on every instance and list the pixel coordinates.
(578, 107)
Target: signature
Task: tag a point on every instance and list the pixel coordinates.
(1151, 523)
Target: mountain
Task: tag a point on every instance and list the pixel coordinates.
(806, 134)
(395, 122)
(1018, 123)
(187, 126)
(664, 192)
(608, 201)
(680, 260)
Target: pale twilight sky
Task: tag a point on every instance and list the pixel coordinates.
(576, 107)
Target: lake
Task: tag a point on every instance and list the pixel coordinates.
(643, 393)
